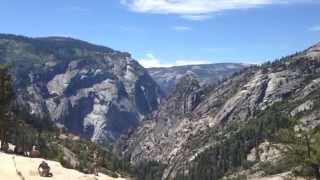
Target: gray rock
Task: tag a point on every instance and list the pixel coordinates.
(194, 119)
(206, 74)
(92, 90)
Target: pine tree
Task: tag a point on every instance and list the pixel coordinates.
(302, 146)
(6, 95)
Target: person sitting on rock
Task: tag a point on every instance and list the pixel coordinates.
(18, 150)
(44, 170)
(34, 152)
(5, 147)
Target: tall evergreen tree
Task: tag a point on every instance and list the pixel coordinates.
(6, 95)
(302, 147)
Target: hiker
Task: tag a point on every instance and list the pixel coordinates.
(44, 170)
(18, 150)
(5, 147)
(34, 152)
(95, 164)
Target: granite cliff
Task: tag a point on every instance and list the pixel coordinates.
(92, 90)
(215, 128)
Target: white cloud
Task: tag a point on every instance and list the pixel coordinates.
(196, 9)
(315, 28)
(182, 28)
(151, 61)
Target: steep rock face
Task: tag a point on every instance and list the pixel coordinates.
(161, 133)
(207, 74)
(185, 97)
(92, 90)
(177, 139)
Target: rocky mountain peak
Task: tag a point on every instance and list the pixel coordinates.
(92, 90)
(189, 130)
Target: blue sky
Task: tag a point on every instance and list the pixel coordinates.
(174, 32)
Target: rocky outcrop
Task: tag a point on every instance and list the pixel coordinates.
(18, 167)
(206, 74)
(166, 128)
(176, 136)
(92, 90)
